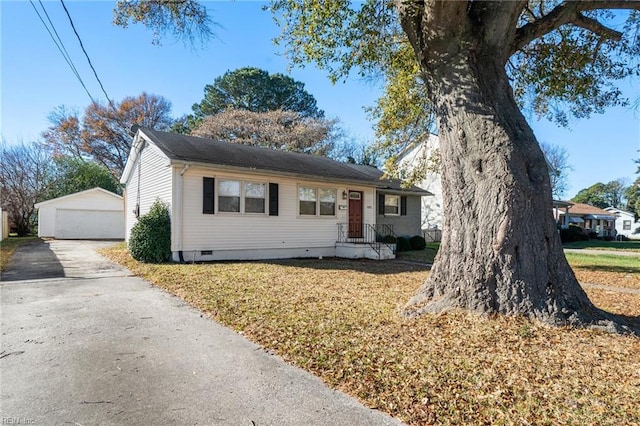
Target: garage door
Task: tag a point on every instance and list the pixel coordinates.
(89, 224)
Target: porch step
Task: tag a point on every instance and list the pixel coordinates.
(364, 251)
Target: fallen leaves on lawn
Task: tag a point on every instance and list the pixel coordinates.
(339, 319)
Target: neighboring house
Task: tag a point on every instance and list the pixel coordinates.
(419, 156)
(625, 223)
(233, 201)
(590, 219)
(87, 215)
(558, 206)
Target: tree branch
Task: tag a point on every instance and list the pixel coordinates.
(596, 27)
(569, 12)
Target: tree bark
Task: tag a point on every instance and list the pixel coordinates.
(500, 249)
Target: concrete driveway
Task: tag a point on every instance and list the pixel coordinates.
(84, 342)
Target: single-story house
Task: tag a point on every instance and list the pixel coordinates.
(233, 201)
(591, 219)
(86, 215)
(625, 223)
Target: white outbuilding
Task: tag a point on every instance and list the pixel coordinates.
(87, 215)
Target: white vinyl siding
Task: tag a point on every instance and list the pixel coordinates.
(288, 230)
(155, 175)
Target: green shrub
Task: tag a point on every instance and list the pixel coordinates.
(150, 240)
(571, 234)
(387, 239)
(418, 243)
(403, 244)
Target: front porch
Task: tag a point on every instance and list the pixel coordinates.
(364, 240)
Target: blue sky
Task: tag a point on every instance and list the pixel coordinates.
(35, 79)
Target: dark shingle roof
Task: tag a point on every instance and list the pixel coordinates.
(388, 184)
(200, 150)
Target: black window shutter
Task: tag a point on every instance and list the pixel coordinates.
(208, 195)
(403, 206)
(273, 199)
(381, 204)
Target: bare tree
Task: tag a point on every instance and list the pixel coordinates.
(559, 168)
(103, 132)
(25, 173)
(283, 130)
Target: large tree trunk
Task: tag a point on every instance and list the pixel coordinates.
(500, 251)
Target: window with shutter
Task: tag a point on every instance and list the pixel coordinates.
(208, 195)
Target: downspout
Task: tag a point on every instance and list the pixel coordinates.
(182, 172)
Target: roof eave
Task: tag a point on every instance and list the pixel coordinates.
(422, 193)
(75, 194)
(263, 172)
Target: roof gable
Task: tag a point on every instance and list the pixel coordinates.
(620, 212)
(391, 185)
(97, 190)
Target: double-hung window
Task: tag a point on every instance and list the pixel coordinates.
(229, 196)
(237, 196)
(626, 225)
(316, 201)
(254, 196)
(327, 202)
(308, 198)
(391, 205)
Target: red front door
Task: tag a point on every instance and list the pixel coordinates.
(355, 214)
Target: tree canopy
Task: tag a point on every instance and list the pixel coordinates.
(102, 133)
(254, 90)
(25, 175)
(603, 195)
(72, 174)
(278, 129)
(563, 58)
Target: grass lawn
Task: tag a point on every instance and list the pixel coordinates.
(605, 245)
(339, 319)
(425, 256)
(615, 271)
(8, 246)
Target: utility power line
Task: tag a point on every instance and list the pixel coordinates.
(87, 55)
(60, 45)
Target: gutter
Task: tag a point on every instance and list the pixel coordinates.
(263, 172)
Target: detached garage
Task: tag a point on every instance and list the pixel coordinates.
(88, 215)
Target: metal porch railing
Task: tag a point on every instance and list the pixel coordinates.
(374, 235)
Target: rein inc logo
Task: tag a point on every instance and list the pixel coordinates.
(17, 421)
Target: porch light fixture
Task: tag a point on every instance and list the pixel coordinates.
(344, 195)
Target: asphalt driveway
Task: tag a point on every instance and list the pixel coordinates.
(84, 342)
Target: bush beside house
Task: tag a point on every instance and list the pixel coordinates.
(150, 239)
